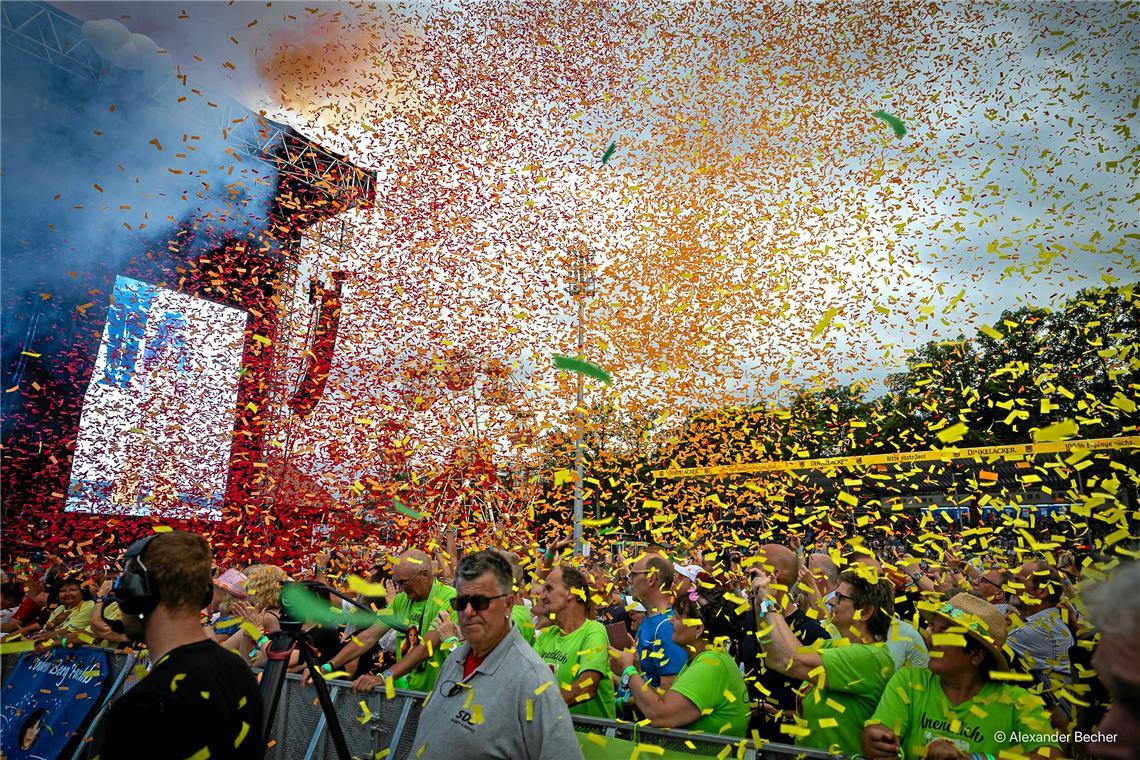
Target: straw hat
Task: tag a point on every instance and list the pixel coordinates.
(232, 582)
(973, 617)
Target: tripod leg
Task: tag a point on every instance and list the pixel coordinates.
(327, 706)
(272, 684)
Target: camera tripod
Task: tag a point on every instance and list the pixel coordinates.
(282, 644)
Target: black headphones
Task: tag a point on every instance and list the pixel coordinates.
(135, 591)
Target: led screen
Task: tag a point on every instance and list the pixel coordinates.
(158, 415)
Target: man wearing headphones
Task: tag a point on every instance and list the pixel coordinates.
(198, 700)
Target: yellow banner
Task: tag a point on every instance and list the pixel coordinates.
(904, 457)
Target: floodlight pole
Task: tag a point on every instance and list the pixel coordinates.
(582, 286)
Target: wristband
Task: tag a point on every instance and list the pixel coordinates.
(262, 641)
(766, 606)
(549, 553)
(627, 674)
(326, 668)
(386, 674)
(451, 640)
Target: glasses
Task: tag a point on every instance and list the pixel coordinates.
(640, 572)
(478, 602)
(840, 597)
(984, 579)
(398, 583)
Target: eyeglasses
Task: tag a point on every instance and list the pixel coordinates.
(478, 602)
(640, 572)
(398, 583)
(841, 597)
(984, 579)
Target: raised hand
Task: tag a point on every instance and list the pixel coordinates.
(761, 585)
(446, 627)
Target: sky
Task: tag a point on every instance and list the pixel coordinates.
(756, 227)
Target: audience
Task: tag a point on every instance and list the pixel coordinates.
(709, 694)
(805, 651)
(955, 707)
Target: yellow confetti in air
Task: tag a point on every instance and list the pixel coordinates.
(1010, 676)
(953, 433)
(174, 681)
(241, 734)
(991, 332)
(1060, 431)
(358, 585)
(948, 640)
(202, 754)
(824, 321)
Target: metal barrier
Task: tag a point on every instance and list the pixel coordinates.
(372, 724)
(391, 725)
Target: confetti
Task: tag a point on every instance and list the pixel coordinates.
(581, 367)
(894, 122)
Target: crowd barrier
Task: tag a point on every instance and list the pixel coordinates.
(375, 726)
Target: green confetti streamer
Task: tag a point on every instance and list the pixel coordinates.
(570, 364)
(609, 152)
(304, 605)
(894, 121)
(404, 510)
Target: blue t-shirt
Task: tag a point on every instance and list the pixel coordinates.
(655, 648)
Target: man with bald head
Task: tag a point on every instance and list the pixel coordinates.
(661, 659)
(822, 566)
(773, 694)
(423, 603)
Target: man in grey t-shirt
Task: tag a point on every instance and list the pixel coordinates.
(494, 698)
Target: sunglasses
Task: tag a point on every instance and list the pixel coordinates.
(478, 602)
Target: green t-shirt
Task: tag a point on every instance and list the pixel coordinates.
(713, 683)
(854, 676)
(521, 615)
(422, 617)
(915, 707)
(587, 648)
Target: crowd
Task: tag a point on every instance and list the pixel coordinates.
(859, 649)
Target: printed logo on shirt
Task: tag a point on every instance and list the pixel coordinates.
(465, 719)
(555, 654)
(946, 729)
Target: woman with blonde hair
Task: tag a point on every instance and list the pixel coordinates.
(261, 609)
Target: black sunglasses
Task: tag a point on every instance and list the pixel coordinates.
(478, 602)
